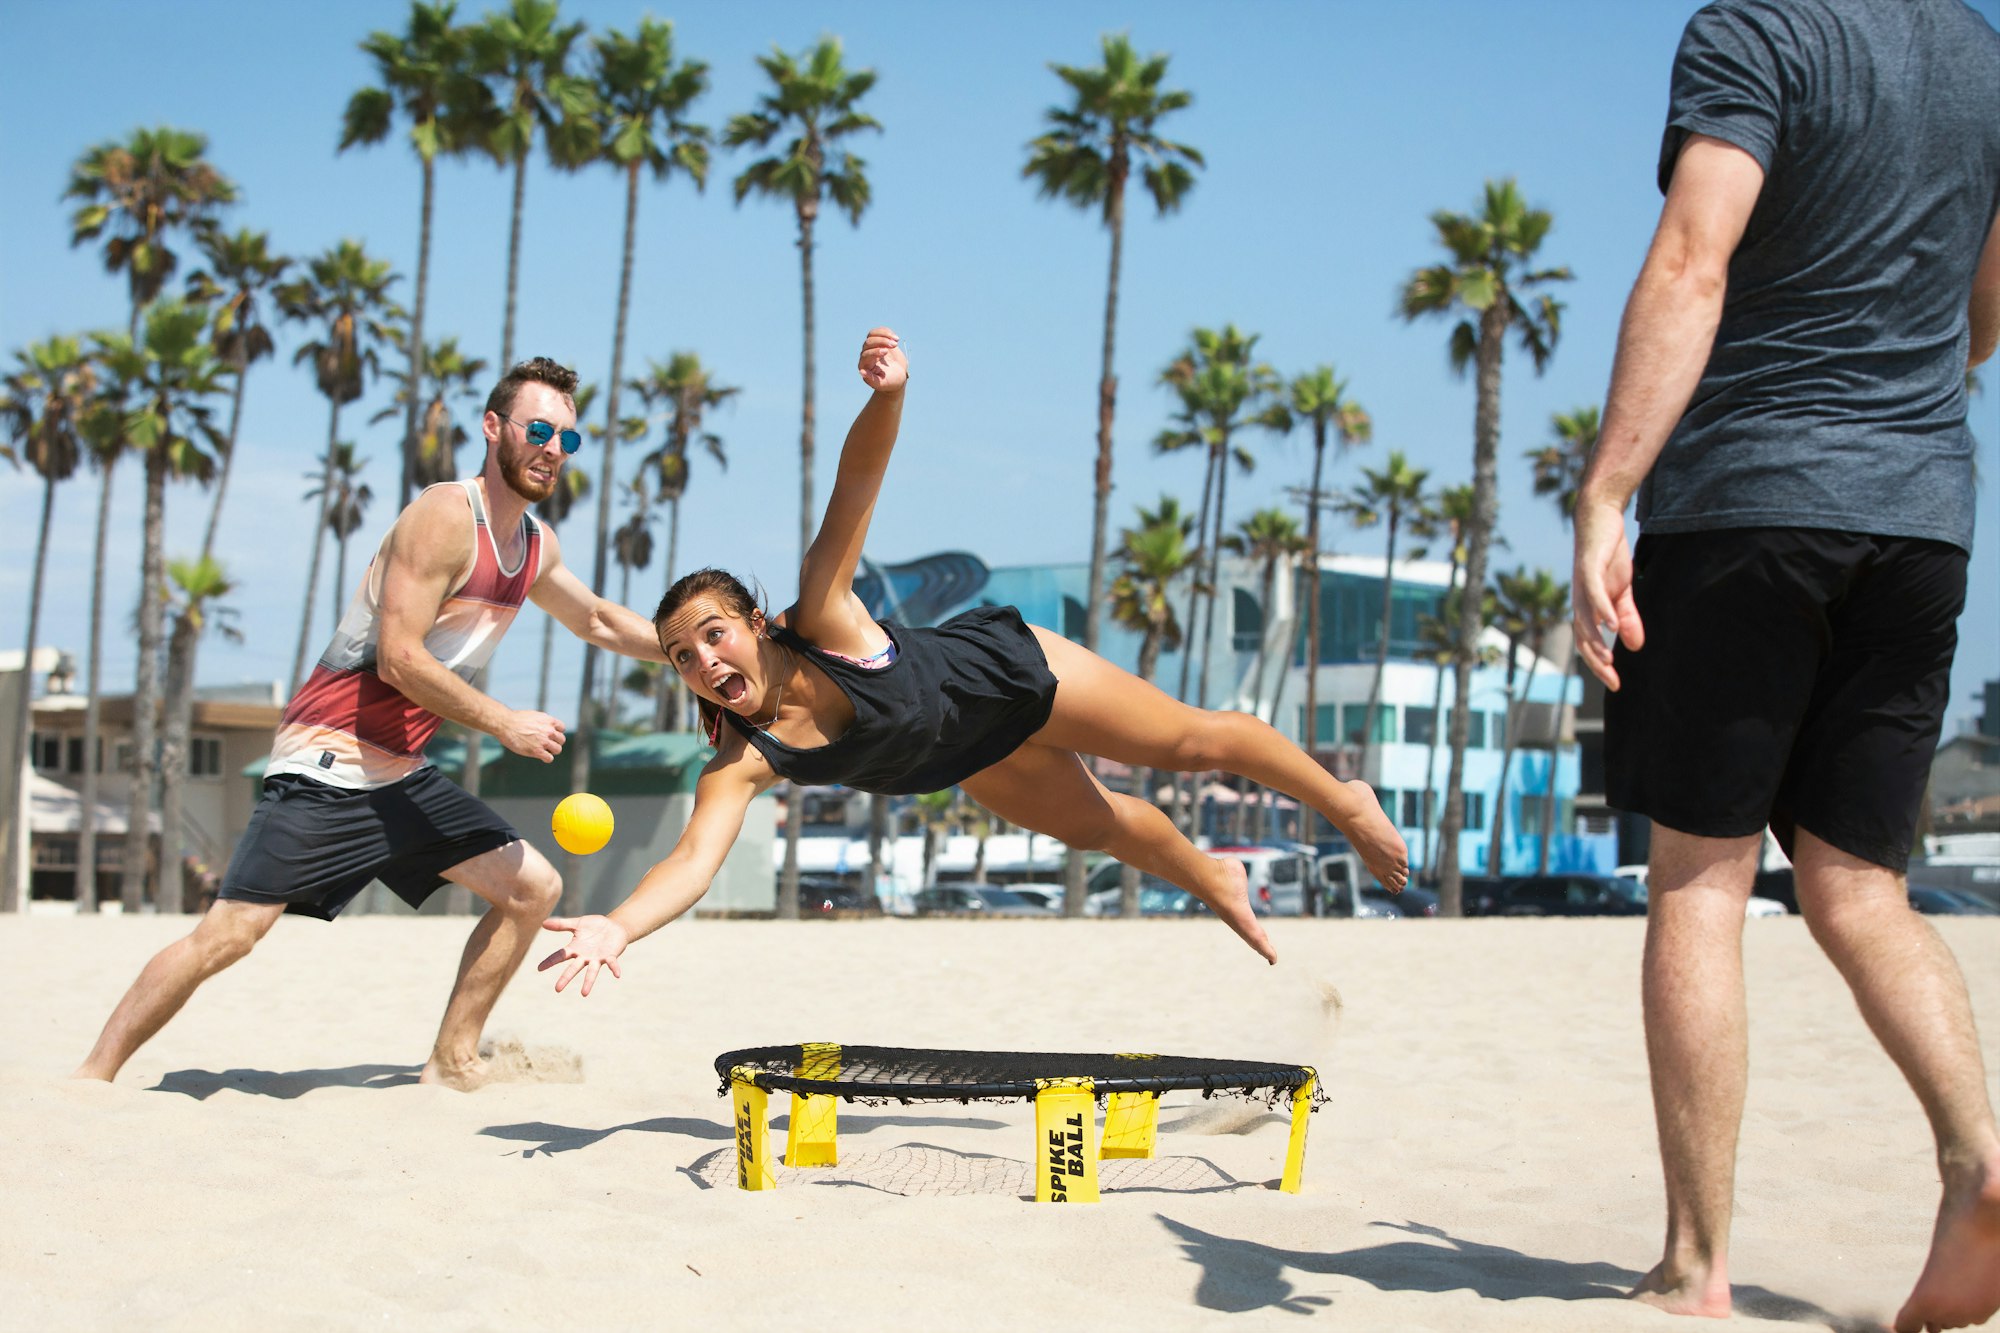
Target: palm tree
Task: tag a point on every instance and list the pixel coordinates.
(46, 397)
(426, 75)
(816, 98)
(1450, 514)
(194, 587)
(642, 99)
(1320, 397)
(454, 381)
(241, 272)
(632, 543)
(1530, 606)
(1483, 287)
(168, 378)
(1559, 468)
(1437, 639)
(572, 485)
(1268, 537)
(103, 430)
(346, 509)
(1390, 497)
(1085, 157)
(1150, 557)
(687, 389)
(144, 191)
(523, 53)
(346, 294)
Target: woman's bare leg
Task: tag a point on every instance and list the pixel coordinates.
(1104, 710)
(1050, 791)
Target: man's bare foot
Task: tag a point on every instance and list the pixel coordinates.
(1232, 904)
(1960, 1284)
(1375, 839)
(84, 1071)
(462, 1076)
(1706, 1296)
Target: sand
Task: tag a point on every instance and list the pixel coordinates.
(1486, 1160)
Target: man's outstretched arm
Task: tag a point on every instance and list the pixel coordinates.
(1663, 346)
(593, 619)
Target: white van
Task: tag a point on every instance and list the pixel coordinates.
(1279, 877)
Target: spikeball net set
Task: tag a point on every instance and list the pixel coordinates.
(1065, 1089)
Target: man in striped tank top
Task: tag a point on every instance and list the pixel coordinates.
(348, 795)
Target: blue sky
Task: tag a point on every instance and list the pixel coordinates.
(1331, 130)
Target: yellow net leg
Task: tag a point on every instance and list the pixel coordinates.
(1131, 1124)
(1065, 1156)
(810, 1139)
(753, 1162)
(1295, 1151)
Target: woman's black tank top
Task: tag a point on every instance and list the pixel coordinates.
(958, 698)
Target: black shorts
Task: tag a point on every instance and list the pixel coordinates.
(314, 847)
(1792, 678)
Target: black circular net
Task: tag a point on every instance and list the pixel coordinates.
(882, 1074)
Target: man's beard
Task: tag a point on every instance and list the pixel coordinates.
(514, 471)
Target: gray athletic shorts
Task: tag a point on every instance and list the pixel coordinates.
(314, 847)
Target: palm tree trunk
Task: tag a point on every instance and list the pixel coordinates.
(1107, 402)
(795, 811)
(513, 260)
(1479, 531)
(339, 606)
(1381, 646)
(146, 698)
(1181, 780)
(14, 890)
(1430, 759)
(1496, 863)
(312, 565)
(228, 457)
(1308, 817)
(1142, 778)
(1555, 753)
(1214, 570)
(668, 708)
(416, 384)
(86, 838)
(173, 759)
(579, 764)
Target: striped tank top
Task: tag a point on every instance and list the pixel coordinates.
(347, 727)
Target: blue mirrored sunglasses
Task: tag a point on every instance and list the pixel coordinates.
(539, 433)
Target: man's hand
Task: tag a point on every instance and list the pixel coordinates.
(595, 941)
(531, 735)
(1601, 587)
(884, 368)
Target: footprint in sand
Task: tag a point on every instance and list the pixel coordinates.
(509, 1060)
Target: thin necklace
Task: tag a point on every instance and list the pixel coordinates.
(778, 703)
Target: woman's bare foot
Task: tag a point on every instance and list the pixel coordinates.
(1706, 1296)
(1375, 839)
(1960, 1284)
(1231, 902)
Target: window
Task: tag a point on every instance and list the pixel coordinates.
(1326, 729)
(1496, 730)
(1529, 818)
(1475, 810)
(73, 757)
(46, 751)
(1248, 620)
(205, 757)
(1413, 809)
(1351, 716)
(1420, 725)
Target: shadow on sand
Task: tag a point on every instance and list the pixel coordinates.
(1240, 1275)
(547, 1139)
(202, 1084)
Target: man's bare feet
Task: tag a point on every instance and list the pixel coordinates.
(1706, 1296)
(1232, 904)
(462, 1076)
(1375, 839)
(1960, 1284)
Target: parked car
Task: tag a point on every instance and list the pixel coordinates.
(1753, 906)
(1933, 901)
(1049, 896)
(1279, 876)
(1571, 894)
(821, 895)
(1412, 901)
(975, 900)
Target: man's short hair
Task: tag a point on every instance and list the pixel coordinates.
(535, 370)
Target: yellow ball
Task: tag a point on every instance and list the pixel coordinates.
(582, 823)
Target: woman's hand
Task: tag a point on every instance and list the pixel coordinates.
(884, 368)
(595, 941)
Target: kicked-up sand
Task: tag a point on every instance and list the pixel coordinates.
(1486, 1160)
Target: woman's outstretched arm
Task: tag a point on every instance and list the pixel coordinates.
(827, 611)
(673, 885)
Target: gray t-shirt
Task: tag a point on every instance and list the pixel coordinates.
(1835, 396)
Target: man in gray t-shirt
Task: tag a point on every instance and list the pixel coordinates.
(1788, 402)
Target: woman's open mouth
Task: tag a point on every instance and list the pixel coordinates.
(733, 689)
